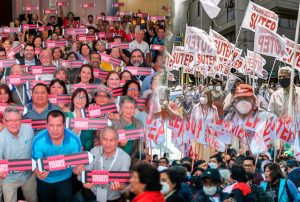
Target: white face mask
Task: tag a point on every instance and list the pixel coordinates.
(161, 168)
(218, 88)
(210, 191)
(213, 165)
(244, 106)
(210, 87)
(203, 100)
(165, 189)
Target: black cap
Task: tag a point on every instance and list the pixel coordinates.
(213, 174)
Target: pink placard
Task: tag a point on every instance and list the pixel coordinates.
(88, 5)
(4, 166)
(14, 80)
(61, 3)
(56, 163)
(82, 124)
(100, 177)
(94, 111)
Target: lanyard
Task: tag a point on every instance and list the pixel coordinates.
(18, 93)
(112, 163)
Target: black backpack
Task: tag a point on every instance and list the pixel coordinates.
(259, 195)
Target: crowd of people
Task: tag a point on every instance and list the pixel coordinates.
(61, 70)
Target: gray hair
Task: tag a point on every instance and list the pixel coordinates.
(108, 128)
(11, 109)
(286, 68)
(127, 99)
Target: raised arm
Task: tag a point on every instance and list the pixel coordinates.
(61, 13)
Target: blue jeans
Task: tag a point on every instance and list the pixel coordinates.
(54, 192)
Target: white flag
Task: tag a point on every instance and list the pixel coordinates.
(211, 8)
(258, 15)
(198, 41)
(269, 43)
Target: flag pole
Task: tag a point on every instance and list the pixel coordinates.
(272, 70)
(294, 63)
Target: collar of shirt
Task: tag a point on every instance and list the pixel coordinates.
(102, 153)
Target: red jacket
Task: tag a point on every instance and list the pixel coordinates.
(149, 196)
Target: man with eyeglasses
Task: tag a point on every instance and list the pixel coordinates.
(249, 166)
(19, 92)
(45, 57)
(15, 143)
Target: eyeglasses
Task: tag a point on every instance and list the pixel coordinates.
(133, 89)
(247, 165)
(80, 98)
(101, 96)
(13, 121)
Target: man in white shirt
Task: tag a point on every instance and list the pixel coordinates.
(140, 44)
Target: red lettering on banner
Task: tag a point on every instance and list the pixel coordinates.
(263, 21)
(196, 42)
(188, 60)
(269, 44)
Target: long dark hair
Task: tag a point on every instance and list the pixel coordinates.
(8, 91)
(173, 176)
(125, 87)
(75, 93)
(144, 60)
(275, 171)
(91, 68)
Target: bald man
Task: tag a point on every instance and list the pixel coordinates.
(20, 93)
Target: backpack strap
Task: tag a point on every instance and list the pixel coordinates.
(286, 186)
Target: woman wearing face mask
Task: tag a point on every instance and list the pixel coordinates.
(247, 115)
(202, 114)
(211, 191)
(218, 97)
(170, 186)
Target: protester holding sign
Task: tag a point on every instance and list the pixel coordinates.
(80, 103)
(55, 184)
(128, 121)
(108, 157)
(15, 143)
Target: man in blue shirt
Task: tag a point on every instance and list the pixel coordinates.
(40, 106)
(55, 140)
(15, 143)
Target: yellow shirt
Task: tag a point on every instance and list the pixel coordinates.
(105, 66)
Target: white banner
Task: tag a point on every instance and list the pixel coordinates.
(183, 59)
(269, 43)
(224, 47)
(198, 41)
(258, 15)
(290, 45)
(254, 61)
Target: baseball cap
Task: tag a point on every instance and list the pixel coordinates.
(102, 88)
(243, 90)
(213, 174)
